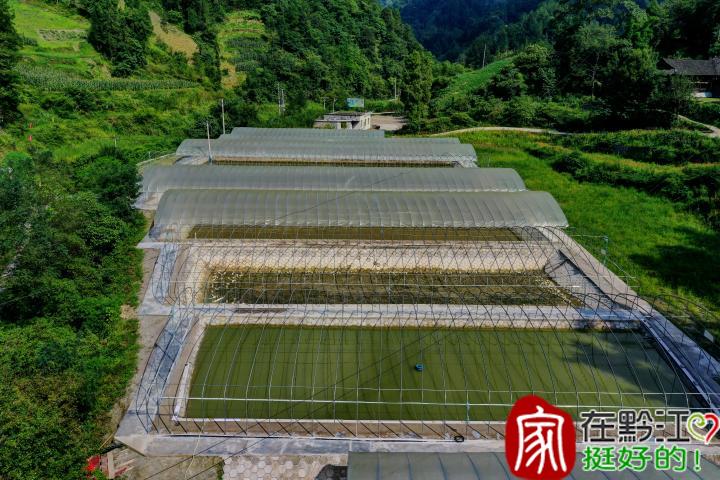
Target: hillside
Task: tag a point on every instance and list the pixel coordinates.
(468, 83)
(448, 27)
(94, 88)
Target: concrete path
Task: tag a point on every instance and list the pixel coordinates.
(712, 131)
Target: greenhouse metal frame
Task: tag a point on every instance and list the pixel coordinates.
(316, 133)
(388, 303)
(181, 211)
(359, 140)
(365, 153)
(159, 179)
(639, 358)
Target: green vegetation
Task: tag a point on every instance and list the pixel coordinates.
(69, 263)
(448, 27)
(119, 33)
(580, 66)
(669, 251)
(693, 187)
(475, 30)
(467, 83)
(374, 287)
(356, 233)
(43, 23)
(330, 48)
(663, 147)
(296, 372)
(243, 45)
(9, 44)
(706, 112)
(50, 80)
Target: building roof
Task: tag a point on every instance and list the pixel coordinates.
(480, 466)
(695, 68)
(159, 179)
(338, 139)
(315, 152)
(306, 132)
(180, 209)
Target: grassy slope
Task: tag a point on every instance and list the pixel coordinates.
(468, 82)
(74, 56)
(173, 37)
(666, 249)
(150, 120)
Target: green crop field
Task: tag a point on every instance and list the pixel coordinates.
(272, 372)
(378, 287)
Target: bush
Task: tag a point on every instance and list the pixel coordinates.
(507, 83)
(521, 112)
(696, 187)
(673, 147)
(706, 112)
(564, 117)
(59, 104)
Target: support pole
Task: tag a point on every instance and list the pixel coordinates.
(222, 106)
(210, 156)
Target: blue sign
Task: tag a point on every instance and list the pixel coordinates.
(356, 103)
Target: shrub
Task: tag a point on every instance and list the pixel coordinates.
(706, 112)
(521, 112)
(696, 187)
(674, 147)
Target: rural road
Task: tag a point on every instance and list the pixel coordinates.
(712, 131)
(501, 129)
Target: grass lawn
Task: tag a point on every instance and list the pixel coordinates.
(353, 373)
(667, 249)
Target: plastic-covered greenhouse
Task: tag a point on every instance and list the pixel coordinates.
(339, 139)
(159, 179)
(365, 153)
(316, 133)
(182, 211)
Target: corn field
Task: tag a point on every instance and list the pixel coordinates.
(57, 81)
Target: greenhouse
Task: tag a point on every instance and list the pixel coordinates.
(313, 284)
(288, 151)
(182, 211)
(316, 133)
(340, 139)
(159, 179)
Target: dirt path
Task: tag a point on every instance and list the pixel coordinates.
(712, 131)
(501, 129)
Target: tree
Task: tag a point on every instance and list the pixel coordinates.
(535, 63)
(417, 85)
(715, 47)
(507, 83)
(120, 34)
(628, 86)
(9, 45)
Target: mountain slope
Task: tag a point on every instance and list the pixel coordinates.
(447, 27)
